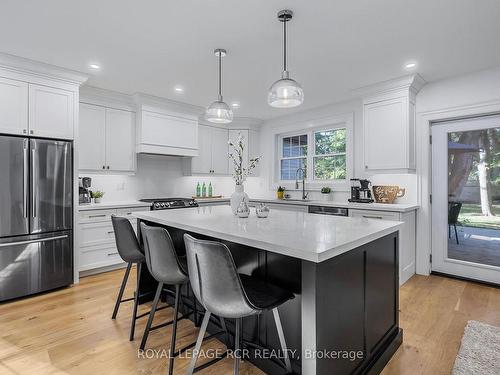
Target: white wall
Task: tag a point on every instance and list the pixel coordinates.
(161, 176)
(472, 94)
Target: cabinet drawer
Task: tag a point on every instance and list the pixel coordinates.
(99, 256)
(127, 212)
(370, 214)
(94, 216)
(96, 233)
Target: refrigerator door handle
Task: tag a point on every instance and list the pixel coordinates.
(33, 241)
(33, 183)
(25, 178)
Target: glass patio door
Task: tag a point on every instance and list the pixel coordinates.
(466, 198)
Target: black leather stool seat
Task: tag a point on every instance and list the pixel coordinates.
(262, 295)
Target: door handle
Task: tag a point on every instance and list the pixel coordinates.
(33, 183)
(110, 254)
(93, 216)
(33, 241)
(25, 178)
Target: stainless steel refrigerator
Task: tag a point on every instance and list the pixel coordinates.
(36, 215)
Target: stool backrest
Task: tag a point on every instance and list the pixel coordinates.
(214, 278)
(161, 257)
(126, 240)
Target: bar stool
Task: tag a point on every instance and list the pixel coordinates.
(130, 251)
(222, 291)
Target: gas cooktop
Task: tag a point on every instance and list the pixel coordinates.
(170, 203)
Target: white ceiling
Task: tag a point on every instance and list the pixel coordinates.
(335, 46)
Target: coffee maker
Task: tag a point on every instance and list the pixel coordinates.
(84, 193)
(360, 191)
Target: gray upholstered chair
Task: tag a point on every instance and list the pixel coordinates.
(165, 267)
(222, 291)
(130, 251)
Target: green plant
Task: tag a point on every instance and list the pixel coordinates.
(326, 190)
(97, 194)
(280, 189)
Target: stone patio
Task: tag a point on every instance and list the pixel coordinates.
(478, 245)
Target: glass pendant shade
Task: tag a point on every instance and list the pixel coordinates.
(285, 93)
(219, 112)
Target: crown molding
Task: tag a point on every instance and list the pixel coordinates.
(413, 83)
(146, 100)
(107, 98)
(20, 66)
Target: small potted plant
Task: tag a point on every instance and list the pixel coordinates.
(280, 192)
(97, 196)
(326, 193)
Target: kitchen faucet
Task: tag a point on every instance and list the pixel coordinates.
(304, 194)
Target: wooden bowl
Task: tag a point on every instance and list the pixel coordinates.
(387, 193)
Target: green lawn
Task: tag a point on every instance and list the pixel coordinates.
(471, 216)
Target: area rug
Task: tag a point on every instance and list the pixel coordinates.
(479, 352)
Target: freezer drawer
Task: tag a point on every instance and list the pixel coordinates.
(36, 263)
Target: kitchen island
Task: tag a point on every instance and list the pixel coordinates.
(342, 270)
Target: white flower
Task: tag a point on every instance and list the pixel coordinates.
(240, 173)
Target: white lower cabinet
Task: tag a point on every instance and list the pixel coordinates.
(96, 238)
(407, 239)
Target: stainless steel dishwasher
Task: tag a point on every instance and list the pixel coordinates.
(327, 210)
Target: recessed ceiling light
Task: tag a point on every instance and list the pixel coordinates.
(411, 65)
(178, 89)
(95, 66)
(235, 105)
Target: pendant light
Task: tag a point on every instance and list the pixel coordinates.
(286, 92)
(219, 112)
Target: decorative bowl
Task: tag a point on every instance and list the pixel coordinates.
(387, 193)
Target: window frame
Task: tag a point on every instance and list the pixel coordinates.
(316, 155)
(309, 129)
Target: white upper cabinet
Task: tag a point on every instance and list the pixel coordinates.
(389, 126)
(51, 112)
(166, 133)
(219, 151)
(107, 139)
(91, 136)
(13, 106)
(120, 140)
(212, 152)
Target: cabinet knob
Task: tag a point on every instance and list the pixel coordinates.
(107, 167)
(103, 167)
(32, 131)
(24, 131)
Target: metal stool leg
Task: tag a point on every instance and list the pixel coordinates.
(122, 289)
(456, 234)
(237, 347)
(174, 330)
(151, 316)
(281, 336)
(136, 302)
(197, 348)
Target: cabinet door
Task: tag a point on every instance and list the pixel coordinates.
(385, 134)
(13, 106)
(203, 162)
(120, 140)
(219, 151)
(51, 112)
(91, 136)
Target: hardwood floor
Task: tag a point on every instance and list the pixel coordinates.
(70, 331)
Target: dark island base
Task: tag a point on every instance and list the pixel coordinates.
(351, 303)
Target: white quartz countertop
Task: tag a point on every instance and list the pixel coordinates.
(298, 234)
(396, 207)
(110, 205)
